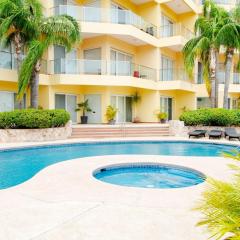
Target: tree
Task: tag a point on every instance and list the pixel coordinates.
(60, 30)
(220, 206)
(17, 24)
(204, 47)
(229, 37)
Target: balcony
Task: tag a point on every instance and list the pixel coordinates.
(101, 67)
(7, 60)
(175, 36)
(175, 79)
(173, 74)
(101, 15)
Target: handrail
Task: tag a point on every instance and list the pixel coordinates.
(117, 16)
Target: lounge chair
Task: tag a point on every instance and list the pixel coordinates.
(197, 133)
(215, 134)
(232, 133)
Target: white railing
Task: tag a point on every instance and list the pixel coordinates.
(117, 16)
(175, 29)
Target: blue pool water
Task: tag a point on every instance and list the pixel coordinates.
(149, 175)
(17, 166)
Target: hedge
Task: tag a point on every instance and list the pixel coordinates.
(33, 119)
(211, 117)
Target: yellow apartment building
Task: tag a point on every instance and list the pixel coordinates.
(127, 47)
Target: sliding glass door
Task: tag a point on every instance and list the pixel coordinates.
(68, 103)
(166, 106)
(124, 106)
(120, 63)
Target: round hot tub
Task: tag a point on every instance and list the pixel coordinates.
(149, 175)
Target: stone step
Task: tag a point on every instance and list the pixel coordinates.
(108, 131)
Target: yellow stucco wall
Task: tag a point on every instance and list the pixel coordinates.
(145, 49)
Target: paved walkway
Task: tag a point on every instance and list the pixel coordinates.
(65, 202)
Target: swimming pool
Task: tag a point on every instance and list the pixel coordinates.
(19, 165)
(149, 175)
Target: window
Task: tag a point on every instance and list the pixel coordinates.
(167, 69)
(166, 106)
(92, 61)
(65, 62)
(203, 102)
(118, 14)
(67, 102)
(8, 101)
(120, 63)
(167, 27)
(235, 103)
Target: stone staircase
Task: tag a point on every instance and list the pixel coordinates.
(116, 131)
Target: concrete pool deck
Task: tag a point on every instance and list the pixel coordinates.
(65, 202)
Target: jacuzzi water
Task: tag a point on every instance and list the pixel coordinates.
(149, 175)
(19, 165)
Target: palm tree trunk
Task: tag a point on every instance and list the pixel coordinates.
(213, 61)
(229, 64)
(18, 46)
(217, 83)
(34, 85)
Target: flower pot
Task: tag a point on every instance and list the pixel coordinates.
(163, 121)
(112, 122)
(84, 119)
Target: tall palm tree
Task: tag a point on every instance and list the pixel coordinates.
(60, 30)
(17, 24)
(229, 37)
(204, 47)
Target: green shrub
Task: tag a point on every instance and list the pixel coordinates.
(33, 119)
(211, 117)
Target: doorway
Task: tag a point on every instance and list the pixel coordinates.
(124, 106)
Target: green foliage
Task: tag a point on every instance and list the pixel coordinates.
(55, 30)
(211, 117)
(136, 97)
(220, 205)
(111, 113)
(33, 119)
(84, 107)
(162, 116)
(19, 18)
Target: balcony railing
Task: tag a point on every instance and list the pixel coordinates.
(77, 66)
(7, 60)
(100, 67)
(93, 14)
(173, 74)
(226, 2)
(175, 30)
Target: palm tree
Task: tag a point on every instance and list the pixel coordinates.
(204, 47)
(220, 206)
(229, 37)
(60, 30)
(17, 24)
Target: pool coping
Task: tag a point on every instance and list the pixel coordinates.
(29, 145)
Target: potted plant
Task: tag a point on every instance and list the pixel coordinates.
(162, 117)
(84, 107)
(135, 99)
(111, 114)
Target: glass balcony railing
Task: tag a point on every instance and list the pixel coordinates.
(175, 30)
(173, 74)
(99, 67)
(77, 66)
(8, 60)
(93, 14)
(125, 68)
